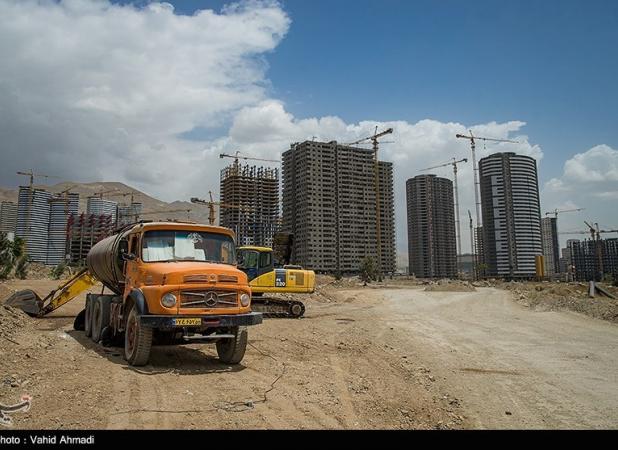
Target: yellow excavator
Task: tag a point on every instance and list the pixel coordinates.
(264, 278)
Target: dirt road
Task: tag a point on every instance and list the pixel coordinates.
(361, 358)
(512, 367)
(332, 369)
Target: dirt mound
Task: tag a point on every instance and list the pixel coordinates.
(450, 286)
(571, 296)
(12, 321)
(37, 271)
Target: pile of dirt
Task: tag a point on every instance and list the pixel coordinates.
(447, 285)
(38, 271)
(12, 321)
(571, 296)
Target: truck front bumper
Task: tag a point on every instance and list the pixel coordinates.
(201, 322)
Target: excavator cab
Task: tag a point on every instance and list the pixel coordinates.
(255, 261)
(267, 276)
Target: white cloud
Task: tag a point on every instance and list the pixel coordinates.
(588, 179)
(89, 89)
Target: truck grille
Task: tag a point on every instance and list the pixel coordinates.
(208, 298)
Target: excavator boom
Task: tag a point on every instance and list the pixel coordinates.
(30, 302)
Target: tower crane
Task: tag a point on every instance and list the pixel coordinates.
(124, 194)
(454, 163)
(33, 175)
(555, 212)
(65, 194)
(101, 193)
(186, 210)
(238, 156)
(473, 140)
(211, 206)
(374, 141)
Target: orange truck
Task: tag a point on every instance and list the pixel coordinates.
(170, 283)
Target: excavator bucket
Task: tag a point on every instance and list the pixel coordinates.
(28, 301)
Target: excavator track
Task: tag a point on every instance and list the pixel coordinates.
(272, 307)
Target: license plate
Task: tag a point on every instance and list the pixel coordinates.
(187, 322)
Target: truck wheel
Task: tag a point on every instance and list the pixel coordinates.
(88, 316)
(232, 350)
(80, 321)
(100, 317)
(137, 340)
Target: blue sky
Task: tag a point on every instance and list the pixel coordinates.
(552, 64)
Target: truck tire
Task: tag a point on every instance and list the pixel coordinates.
(137, 340)
(100, 316)
(80, 321)
(88, 316)
(232, 350)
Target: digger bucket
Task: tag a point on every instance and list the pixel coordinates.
(28, 301)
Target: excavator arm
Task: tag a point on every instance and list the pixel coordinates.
(31, 303)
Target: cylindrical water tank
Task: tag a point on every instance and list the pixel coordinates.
(105, 262)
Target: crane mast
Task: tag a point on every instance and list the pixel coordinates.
(454, 163)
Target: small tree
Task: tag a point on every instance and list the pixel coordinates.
(21, 267)
(10, 253)
(58, 271)
(368, 270)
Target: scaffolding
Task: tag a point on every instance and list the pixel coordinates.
(60, 209)
(85, 230)
(254, 193)
(588, 264)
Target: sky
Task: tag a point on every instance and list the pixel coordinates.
(150, 93)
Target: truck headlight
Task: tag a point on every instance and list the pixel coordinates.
(168, 300)
(245, 299)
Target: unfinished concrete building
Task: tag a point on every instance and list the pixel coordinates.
(128, 214)
(8, 217)
(594, 260)
(511, 215)
(85, 230)
(101, 207)
(250, 197)
(432, 246)
(551, 246)
(329, 206)
(60, 209)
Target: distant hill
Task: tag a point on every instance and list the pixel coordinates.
(197, 213)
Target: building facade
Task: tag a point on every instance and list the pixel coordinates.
(128, 214)
(101, 207)
(8, 217)
(33, 221)
(551, 247)
(251, 194)
(329, 206)
(594, 260)
(511, 215)
(432, 246)
(60, 209)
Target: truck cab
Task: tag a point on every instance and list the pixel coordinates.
(172, 283)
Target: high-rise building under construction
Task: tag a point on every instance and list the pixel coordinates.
(250, 203)
(432, 249)
(511, 215)
(329, 207)
(551, 247)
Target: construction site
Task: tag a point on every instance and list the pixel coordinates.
(291, 273)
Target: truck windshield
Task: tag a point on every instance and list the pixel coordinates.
(176, 245)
